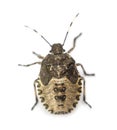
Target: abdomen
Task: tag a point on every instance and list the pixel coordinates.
(60, 95)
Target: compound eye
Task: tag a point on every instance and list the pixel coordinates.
(63, 50)
(56, 89)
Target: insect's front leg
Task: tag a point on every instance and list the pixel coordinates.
(38, 55)
(29, 64)
(85, 73)
(74, 43)
(84, 93)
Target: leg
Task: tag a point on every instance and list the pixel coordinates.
(30, 64)
(38, 55)
(84, 93)
(78, 64)
(36, 99)
(74, 43)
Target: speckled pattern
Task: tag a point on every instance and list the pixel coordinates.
(58, 66)
(60, 96)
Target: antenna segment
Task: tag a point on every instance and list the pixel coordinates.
(39, 34)
(69, 28)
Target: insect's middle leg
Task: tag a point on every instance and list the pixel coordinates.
(36, 99)
(78, 64)
(84, 93)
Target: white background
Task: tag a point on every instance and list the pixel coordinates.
(96, 50)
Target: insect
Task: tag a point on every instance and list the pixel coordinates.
(59, 84)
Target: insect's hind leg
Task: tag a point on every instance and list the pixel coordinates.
(36, 99)
(84, 93)
(74, 43)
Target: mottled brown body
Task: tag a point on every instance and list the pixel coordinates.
(59, 83)
(58, 66)
(59, 86)
(59, 96)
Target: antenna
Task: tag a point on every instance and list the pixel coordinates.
(69, 28)
(39, 34)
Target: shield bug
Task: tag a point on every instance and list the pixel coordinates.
(59, 84)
